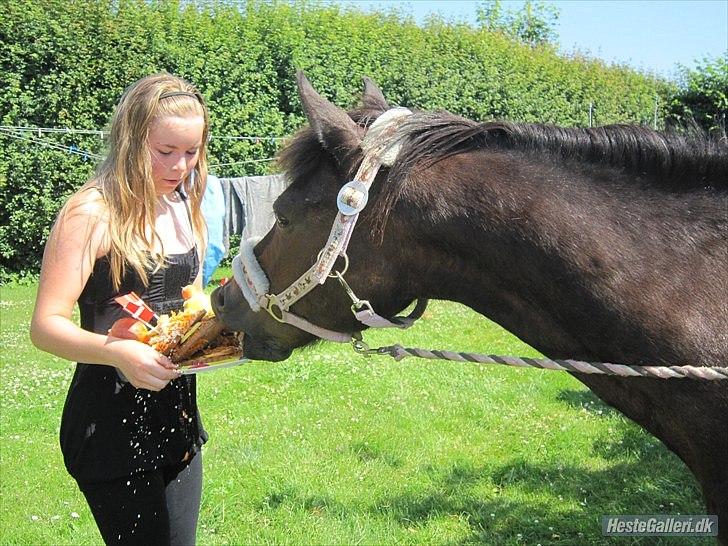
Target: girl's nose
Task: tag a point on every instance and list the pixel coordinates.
(181, 164)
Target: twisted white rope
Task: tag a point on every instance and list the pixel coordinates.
(659, 372)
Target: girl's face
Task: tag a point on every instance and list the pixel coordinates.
(174, 145)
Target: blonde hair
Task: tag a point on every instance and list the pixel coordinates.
(124, 178)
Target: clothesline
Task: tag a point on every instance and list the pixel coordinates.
(70, 149)
(101, 133)
(86, 154)
(241, 162)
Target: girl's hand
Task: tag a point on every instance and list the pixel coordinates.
(144, 367)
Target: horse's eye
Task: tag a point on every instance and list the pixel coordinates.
(281, 220)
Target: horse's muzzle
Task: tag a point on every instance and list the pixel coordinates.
(233, 311)
(229, 306)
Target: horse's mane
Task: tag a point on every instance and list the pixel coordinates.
(664, 161)
(667, 160)
(672, 161)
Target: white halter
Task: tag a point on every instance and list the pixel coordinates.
(381, 145)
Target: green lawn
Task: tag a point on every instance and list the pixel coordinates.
(333, 448)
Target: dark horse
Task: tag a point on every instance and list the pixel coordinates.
(606, 244)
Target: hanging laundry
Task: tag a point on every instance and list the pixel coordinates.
(249, 203)
(214, 210)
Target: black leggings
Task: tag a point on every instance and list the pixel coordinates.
(159, 507)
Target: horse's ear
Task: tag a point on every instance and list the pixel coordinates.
(373, 98)
(336, 131)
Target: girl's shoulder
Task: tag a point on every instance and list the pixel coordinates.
(84, 220)
(88, 202)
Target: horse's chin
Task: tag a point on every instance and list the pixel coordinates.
(264, 349)
(259, 343)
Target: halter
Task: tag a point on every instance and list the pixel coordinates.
(381, 146)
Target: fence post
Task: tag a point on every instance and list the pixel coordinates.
(591, 108)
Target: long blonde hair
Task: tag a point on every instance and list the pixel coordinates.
(125, 181)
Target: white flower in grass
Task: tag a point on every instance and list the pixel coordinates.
(75, 515)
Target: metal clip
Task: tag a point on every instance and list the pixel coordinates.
(360, 346)
(357, 303)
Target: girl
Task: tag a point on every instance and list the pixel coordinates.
(130, 432)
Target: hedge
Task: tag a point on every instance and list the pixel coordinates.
(64, 65)
(702, 97)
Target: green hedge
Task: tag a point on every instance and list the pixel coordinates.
(64, 64)
(702, 97)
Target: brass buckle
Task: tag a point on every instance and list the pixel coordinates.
(273, 303)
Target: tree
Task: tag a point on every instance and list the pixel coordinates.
(702, 96)
(534, 25)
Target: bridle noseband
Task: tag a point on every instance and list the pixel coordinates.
(381, 146)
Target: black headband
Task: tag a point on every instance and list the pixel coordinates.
(180, 94)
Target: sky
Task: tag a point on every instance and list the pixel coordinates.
(650, 35)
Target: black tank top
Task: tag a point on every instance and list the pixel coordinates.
(110, 429)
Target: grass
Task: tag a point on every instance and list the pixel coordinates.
(333, 448)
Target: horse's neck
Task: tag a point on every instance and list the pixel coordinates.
(580, 272)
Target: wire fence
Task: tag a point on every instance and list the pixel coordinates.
(38, 136)
(35, 136)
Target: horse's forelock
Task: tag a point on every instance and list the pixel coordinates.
(303, 152)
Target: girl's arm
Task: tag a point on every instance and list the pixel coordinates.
(201, 248)
(201, 245)
(75, 242)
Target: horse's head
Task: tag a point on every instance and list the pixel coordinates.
(319, 160)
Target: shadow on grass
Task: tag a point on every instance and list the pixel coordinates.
(529, 501)
(552, 502)
(587, 400)
(526, 502)
(366, 453)
(634, 442)
(288, 496)
(547, 503)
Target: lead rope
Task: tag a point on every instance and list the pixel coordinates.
(600, 368)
